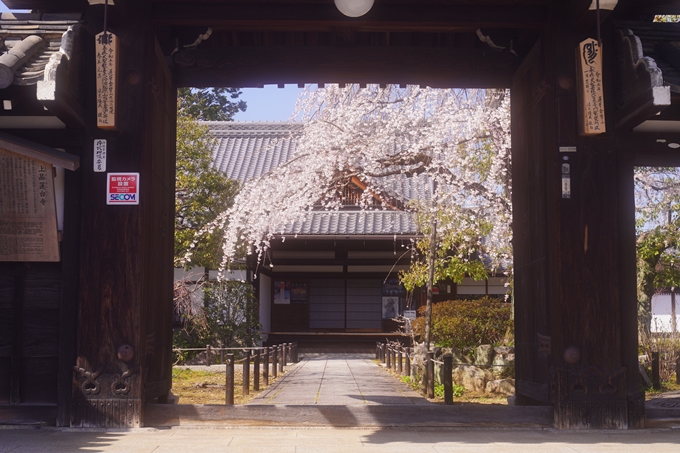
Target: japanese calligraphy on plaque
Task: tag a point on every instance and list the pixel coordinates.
(106, 48)
(591, 95)
(28, 215)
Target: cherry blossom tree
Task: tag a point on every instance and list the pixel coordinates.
(456, 143)
(453, 143)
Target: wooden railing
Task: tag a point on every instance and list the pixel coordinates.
(267, 362)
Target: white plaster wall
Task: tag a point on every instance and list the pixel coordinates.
(661, 312)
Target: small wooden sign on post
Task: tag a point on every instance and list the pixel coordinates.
(591, 94)
(106, 47)
(28, 215)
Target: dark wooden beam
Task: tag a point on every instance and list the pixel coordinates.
(257, 66)
(320, 17)
(55, 138)
(17, 323)
(638, 8)
(38, 151)
(648, 150)
(67, 109)
(68, 313)
(47, 5)
(643, 107)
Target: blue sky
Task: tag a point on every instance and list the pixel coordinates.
(269, 103)
(264, 104)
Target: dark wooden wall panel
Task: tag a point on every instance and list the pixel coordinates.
(530, 226)
(158, 226)
(30, 298)
(41, 305)
(39, 380)
(7, 283)
(5, 376)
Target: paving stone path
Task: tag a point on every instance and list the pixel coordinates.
(339, 379)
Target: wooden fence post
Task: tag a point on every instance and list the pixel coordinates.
(400, 358)
(656, 380)
(246, 374)
(296, 359)
(265, 367)
(282, 357)
(677, 371)
(377, 350)
(394, 359)
(407, 371)
(430, 375)
(388, 356)
(229, 382)
(207, 355)
(275, 361)
(256, 372)
(448, 379)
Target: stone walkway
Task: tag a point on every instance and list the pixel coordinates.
(339, 379)
(344, 391)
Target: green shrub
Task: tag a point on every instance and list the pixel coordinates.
(466, 324)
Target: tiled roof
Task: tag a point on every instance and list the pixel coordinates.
(50, 28)
(249, 150)
(355, 223)
(660, 42)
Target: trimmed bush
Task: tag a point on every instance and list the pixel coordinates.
(466, 324)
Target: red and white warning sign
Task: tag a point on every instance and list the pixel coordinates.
(122, 188)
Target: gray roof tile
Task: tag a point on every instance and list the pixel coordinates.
(14, 27)
(355, 223)
(657, 43)
(249, 150)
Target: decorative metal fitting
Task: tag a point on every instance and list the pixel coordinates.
(572, 355)
(126, 352)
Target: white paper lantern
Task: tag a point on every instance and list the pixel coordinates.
(354, 8)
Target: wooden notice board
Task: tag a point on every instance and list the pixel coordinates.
(28, 214)
(106, 47)
(591, 92)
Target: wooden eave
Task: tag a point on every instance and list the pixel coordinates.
(50, 77)
(361, 185)
(40, 152)
(384, 16)
(255, 66)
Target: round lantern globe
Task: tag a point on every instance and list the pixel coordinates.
(354, 8)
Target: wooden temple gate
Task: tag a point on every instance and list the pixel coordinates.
(111, 291)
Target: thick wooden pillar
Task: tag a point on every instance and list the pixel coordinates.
(125, 297)
(575, 326)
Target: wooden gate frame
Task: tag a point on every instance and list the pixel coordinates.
(575, 280)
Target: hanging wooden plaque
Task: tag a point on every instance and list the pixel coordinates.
(591, 94)
(106, 48)
(28, 214)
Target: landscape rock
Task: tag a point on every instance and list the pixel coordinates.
(504, 349)
(501, 386)
(471, 377)
(484, 355)
(504, 365)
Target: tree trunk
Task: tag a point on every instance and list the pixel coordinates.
(430, 283)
